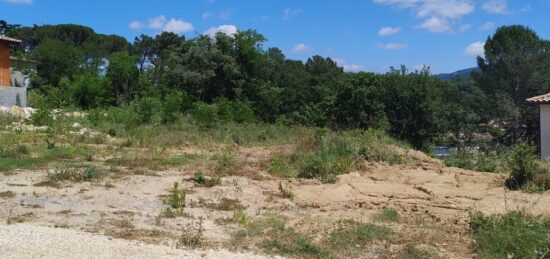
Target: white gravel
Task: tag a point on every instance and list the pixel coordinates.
(25, 241)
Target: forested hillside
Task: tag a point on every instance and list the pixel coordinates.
(234, 77)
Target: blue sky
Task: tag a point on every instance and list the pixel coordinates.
(369, 35)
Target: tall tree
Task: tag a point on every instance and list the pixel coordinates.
(511, 69)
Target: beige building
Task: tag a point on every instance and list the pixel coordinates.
(544, 102)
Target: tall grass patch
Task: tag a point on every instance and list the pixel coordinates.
(513, 235)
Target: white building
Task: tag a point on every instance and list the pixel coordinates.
(544, 102)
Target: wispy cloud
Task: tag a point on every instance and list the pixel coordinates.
(496, 7)
(169, 25)
(386, 31)
(392, 46)
(289, 12)
(227, 29)
(135, 25)
(438, 15)
(348, 67)
(487, 26)
(19, 1)
(301, 48)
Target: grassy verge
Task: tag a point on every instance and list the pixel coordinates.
(513, 235)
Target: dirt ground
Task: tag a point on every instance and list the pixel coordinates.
(434, 201)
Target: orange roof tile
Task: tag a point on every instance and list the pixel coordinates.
(541, 99)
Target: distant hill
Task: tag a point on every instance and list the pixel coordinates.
(461, 74)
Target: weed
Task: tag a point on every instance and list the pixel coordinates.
(281, 166)
(75, 173)
(226, 163)
(226, 204)
(191, 235)
(199, 178)
(240, 216)
(513, 235)
(176, 199)
(351, 234)
(286, 192)
(7, 195)
(176, 202)
(413, 252)
(388, 215)
(289, 242)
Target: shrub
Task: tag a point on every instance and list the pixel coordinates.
(199, 178)
(524, 166)
(332, 158)
(176, 200)
(75, 173)
(388, 215)
(513, 234)
(205, 115)
(351, 234)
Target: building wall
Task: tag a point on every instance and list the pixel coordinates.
(5, 65)
(545, 131)
(8, 96)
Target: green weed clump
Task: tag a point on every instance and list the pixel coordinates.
(75, 173)
(513, 235)
(388, 215)
(351, 234)
(175, 202)
(526, 170)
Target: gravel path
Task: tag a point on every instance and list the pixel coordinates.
(25, 241)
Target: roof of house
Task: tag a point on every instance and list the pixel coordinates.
(9, 40)
(541, 99)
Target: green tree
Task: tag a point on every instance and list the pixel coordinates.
(511, 70)
(124, 76)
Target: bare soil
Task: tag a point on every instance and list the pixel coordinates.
(435, 203)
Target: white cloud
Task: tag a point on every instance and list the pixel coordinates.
(487, 26)
(496, 6)
(348, 67)
(526, 8)
(289, 12)
(206, 15)
(386, 31)
(475, 49)
(19, 1)
(135, 25)
(464, 27)
(438, 15)
(225, 14)
(435, 24)
(229, 30)
(301, 48)
(173, 25)
(177, 26)
(392, 46)
(157, 22)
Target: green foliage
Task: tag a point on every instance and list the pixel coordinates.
(124, 76)
(351, 235)
(388, 215)
(513, 234)
(413, 252)
(74, 173)
(524, 166)
(332, 158)
(176, 199)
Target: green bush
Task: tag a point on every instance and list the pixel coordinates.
(333, 157)
(513, 234)
(524, 166)
(205, 115)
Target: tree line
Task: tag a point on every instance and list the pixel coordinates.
(235, 74)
